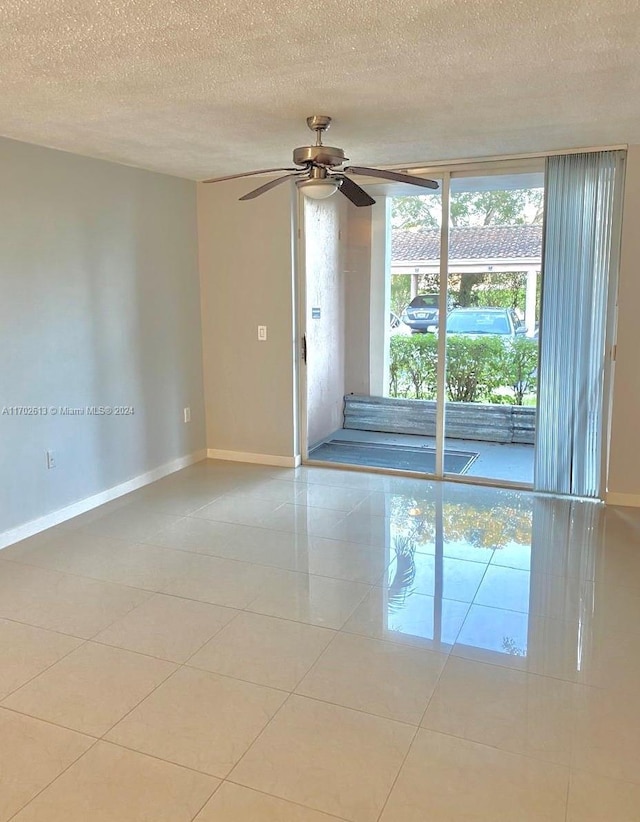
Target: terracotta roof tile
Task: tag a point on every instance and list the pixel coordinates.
(468, 243)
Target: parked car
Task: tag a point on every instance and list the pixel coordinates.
(473, 322)
(422, 314)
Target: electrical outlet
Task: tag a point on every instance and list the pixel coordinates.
(262, 333)
(51, 459)
(187, 415)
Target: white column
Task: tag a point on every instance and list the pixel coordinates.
(530, 302)
(414, 285)
(380, 306)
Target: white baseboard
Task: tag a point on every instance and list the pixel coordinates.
(259, 459)
(626, 500)
(82, 506)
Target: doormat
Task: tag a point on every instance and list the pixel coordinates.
(402, 457)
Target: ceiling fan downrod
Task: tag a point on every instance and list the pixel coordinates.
(319, 123)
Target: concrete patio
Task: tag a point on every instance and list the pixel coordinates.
(497, 461)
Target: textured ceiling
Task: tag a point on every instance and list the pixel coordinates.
(203, 87)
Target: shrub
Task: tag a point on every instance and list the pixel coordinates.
(473, 368)
(412, 366)
(476, 368)
(520, 367)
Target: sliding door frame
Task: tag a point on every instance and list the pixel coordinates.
(443, 293)
(300, 330)
(611, 331)
(444, 171)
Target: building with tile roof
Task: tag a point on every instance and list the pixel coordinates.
(472, 250)
(496, 243)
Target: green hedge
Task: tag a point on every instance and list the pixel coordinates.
(479, 369)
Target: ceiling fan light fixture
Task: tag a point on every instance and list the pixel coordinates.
(318, 173)
(319, 189)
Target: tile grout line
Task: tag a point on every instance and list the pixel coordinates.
(83, 642)
(521, 670)
(43, 671)
(153, 591)
(144, 698)
(397, 776)
(306, 697)
(568, 794)
(301, 695)
(280, 799)
(208, 799)
(41, 628)
(228, 778)
(315, 663)
(213, 636)
(50, 722)
(418, 728)
(493, 747)
(111, 727)
(75, 575)
(102, 739)
(55, 779)
(584, 772)
(246, 609)
(369, 587)
(255, 740)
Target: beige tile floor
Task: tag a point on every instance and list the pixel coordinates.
(239, 643)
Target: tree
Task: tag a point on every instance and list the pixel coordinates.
(400, 294)
(467, 283)
(416, 211)
(470, 208)
(515, 207)
(522, 206)
(485, 525)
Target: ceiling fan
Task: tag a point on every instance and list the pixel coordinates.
(318, 174)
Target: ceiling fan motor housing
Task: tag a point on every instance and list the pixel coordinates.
(323, 155)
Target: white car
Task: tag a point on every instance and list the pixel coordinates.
(397, 326)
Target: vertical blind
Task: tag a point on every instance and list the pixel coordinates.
(581, 240)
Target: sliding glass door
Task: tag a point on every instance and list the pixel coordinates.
(494, 284)
(424, 323)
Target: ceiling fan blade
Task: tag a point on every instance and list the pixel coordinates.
(392, 175)
(249, 174)
(353, 192)
(266, 187)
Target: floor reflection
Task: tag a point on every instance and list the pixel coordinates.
(491, 573)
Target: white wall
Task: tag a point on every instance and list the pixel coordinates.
(325, 335)
(624, 465)
(246, 261)
(358, 300)
(246, 269)
(99, 305)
